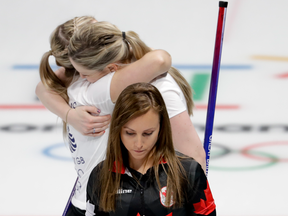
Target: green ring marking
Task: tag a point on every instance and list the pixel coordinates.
(218, 153)
(215, 154)
(273, 161)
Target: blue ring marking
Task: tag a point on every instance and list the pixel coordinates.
(48, 152)
(209, 67)
(31, 67)
(180, 66)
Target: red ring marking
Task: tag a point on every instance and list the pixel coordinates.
(245, 151)
(219, 106)
(22, 106)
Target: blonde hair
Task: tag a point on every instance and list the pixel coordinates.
(134, 101)
(59, 40)
(99, 44)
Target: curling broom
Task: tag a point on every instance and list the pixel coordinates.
(214, 80)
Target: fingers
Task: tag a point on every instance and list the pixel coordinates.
(89, 128)
(86, 124)
(99, 127)
(95, 134)
(96, 129)
(92, 110)
(102, 119)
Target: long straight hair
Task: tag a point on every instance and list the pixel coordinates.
(134, 101)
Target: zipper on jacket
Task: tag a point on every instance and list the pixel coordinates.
(142, 201)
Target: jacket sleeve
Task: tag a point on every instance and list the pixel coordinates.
(92, 198)
(200, 200)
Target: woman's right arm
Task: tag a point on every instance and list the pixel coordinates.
(186, 139)
(200, 201)
(80, 118)
(151, 65)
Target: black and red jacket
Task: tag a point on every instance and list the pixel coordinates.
(145, 199)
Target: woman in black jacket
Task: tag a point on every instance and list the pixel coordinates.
(142, 174)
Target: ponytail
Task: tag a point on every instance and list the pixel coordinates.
(137, 45)
(51, 81)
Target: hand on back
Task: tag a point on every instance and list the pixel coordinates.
(87, 121)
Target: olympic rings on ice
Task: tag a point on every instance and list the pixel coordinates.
(55, 152)
(259, 153)
(249, 152)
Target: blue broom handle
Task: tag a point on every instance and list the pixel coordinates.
(68, 204)
(214, 81)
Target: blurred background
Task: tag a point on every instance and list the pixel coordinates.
(249, 162)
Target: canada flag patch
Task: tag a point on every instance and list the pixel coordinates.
(162, 194)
